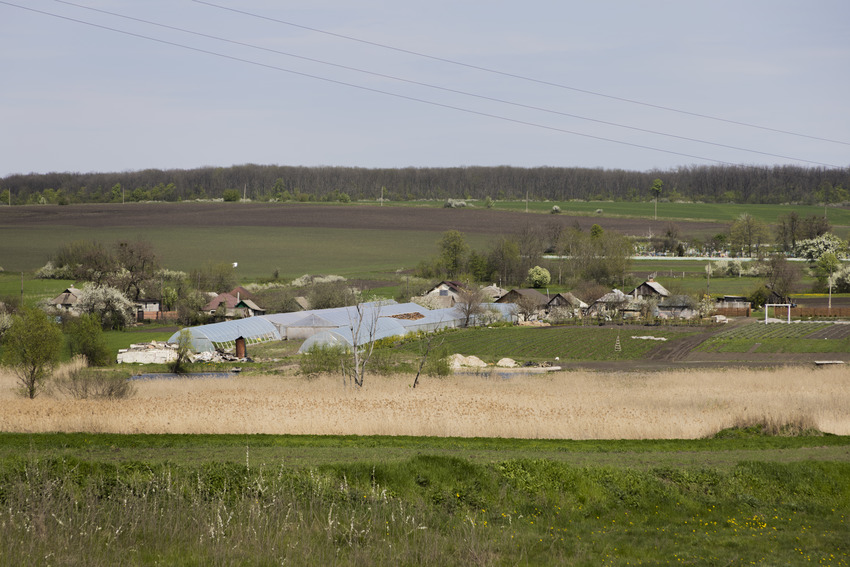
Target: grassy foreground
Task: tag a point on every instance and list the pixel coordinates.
(423, 509)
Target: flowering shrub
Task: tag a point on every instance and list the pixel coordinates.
(813, 248)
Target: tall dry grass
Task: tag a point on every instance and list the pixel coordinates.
(567, 405)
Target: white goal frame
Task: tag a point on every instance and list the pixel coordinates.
(766, 305)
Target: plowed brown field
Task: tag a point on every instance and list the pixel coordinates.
(482, 221)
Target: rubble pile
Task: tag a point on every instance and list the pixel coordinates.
(457, 361)
(154, 352)
(216, 356)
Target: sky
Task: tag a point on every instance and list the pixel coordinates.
(108, 85)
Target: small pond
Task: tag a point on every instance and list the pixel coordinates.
(189, 376)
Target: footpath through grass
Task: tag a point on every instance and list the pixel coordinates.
(424, 509)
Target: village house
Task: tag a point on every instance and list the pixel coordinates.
(527, 294)
(67, 300)
(445, 294)
(610, 304)
(650, 289)
(529, 302)
(232, 305)
(566, 303)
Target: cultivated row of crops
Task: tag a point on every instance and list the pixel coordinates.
(795, 330)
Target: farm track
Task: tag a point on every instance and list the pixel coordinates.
(220, 215)
(680, 349)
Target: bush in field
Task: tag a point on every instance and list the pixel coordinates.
(110, 305)
(5, 322)
(323, 359)
(329, 295)
(729, 268)
(184, 348)
(307, 280)
(438, 363)
(759, 297)
(230, 195)
(85, 337)
(51, 272)
(539, 277)
(31, 348)
(813, 248)
(84, 384)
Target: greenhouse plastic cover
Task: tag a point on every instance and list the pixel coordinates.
(223, 335)
(272, 327)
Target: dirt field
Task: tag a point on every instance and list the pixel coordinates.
(482, 221)
(687, 403)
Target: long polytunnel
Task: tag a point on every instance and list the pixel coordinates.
(222, 336)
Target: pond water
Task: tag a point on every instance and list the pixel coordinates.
(190, 376)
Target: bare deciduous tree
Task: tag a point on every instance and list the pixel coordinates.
(363, 323)
(469, 303)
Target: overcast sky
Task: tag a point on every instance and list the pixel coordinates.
(425, 84)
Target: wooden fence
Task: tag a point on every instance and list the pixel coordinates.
(733, 311)
(816, 311)
(156, 316)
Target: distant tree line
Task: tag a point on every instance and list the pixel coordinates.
(716, 184)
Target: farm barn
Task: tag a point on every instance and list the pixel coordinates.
(650, 289)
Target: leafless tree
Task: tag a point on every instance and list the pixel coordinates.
(427, 348)
(363, 323)
(782, 275)
(469, 303)
(526, 307)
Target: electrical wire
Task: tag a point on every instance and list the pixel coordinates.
(380, 91)
(521, 77)
(444, 89)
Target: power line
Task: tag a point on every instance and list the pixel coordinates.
(379, 91)
(444, 89)
(522, 77)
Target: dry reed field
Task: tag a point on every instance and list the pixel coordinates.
(565, 405)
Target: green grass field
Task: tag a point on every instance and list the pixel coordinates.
(719, 212)
(573, 343)
(34, 290)
(258, 250)
(73, 499)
